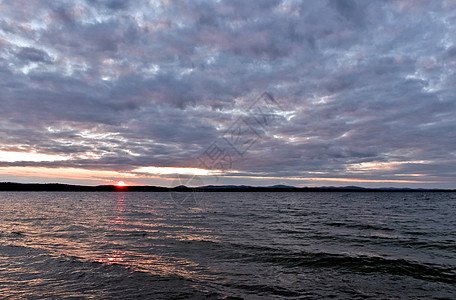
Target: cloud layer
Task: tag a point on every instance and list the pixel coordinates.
(367, 87)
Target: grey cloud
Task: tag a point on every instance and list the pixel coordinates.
(33, 54)
(351, 10)
(114, 4)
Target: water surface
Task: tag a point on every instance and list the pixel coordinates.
(247, 245)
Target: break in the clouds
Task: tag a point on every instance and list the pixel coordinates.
(93, 91)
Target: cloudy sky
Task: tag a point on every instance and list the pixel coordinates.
(306, 93)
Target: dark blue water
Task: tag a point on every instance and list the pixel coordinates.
(245, 245)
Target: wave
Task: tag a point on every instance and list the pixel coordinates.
(359, 264)
(364, 264)
(48, 276)
(359, 226)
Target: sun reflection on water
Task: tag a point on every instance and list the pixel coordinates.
(143, 241)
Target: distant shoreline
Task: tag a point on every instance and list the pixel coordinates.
(57, 187)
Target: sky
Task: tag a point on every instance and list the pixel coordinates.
(302, 93)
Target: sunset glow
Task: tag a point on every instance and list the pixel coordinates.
(121, 184)
(175, 170)
(8, 156)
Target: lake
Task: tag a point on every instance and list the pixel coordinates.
(314, 245)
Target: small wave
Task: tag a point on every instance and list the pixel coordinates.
(71, 228)
(359, 226)
(365, 264)
(265, 290)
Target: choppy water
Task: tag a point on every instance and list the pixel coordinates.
(246, 245)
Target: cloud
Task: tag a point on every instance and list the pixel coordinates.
(33, 55)
(120, 85)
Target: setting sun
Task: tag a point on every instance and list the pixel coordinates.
(121, 184)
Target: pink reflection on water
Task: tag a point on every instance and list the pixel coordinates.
(117, 257)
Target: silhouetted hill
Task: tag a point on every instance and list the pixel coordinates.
(58, 187)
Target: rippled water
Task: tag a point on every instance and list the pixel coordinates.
(246, 245)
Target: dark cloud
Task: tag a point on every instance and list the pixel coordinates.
(114, 4)
(351, 10)
(33, 55)
(367, 87)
